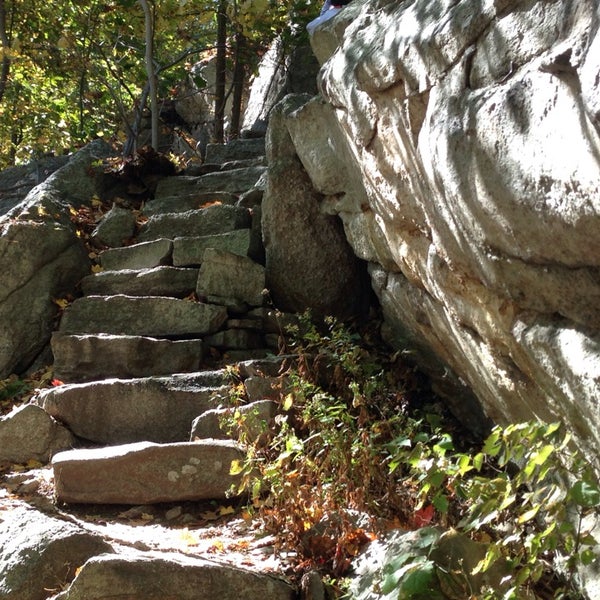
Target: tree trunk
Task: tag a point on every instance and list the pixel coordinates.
(5, 42)
(221, 71)
(239, 73)
(150, 71)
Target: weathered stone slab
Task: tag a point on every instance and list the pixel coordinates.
(231, 276)
(146, 473)
(144, 255)
(89, 357)
(28, 432)
(154, 576)
(214, 219)
(190, 250)
(175, 204)
(213, 424)
(234, 181)
(117, 411)
(158, 281)
(235, 339)
(39, 554)
(116, 227)
(238, 149)
(149, 316)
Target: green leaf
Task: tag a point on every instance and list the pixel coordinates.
(427, 537)
(491, 447)
(418, 582)
(441, 503)
(528, 515)
(585, 493)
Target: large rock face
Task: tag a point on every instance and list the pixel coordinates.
(42, 258)
(471, 129)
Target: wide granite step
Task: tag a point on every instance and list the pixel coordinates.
(138, 575)
(153, 316)
(89, 357)
(157, 281)
(117, 411)
(217, 218)
(239, 149)
(184, 203)
(146, 473)
(234, 181)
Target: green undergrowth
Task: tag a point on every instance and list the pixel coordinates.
(361, 447)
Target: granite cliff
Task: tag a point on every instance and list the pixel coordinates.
(458, 141)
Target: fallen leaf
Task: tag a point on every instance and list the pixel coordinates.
(188, 538)
(423, 516)
(216, 546)
(62, 303)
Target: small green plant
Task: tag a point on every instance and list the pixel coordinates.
(350, 440)
(527, 492)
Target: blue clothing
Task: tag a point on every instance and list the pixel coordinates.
(326, 13)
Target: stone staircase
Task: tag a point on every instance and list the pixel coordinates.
(143, 353)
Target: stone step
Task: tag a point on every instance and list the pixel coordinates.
(218, 218)
(175, 204)
(146, 473)
(239, 149)
(235, 181)
(144, 255)
(152, 316)
(190, 250)
(90, 357)
(40, 552)
(139, 575)
(228, 165)
(117, 411)
(227, 275)
(157, 281)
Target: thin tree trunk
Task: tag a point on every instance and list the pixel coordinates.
(150, 71)
(239, 73)
(221, 71)
(5, 69)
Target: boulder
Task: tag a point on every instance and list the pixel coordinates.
(42, 258)
(17, 182)
(116, 227)
(39, 553)
(29, 433)
(40, 261)
(280, 72)
(213, 423)
(146, 473)
(154, 316)
(475, 137)
(309, 263)
(89, 357)
(228, 275)
(152, 576)
(117, 411)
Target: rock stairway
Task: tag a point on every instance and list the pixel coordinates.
(141, 357)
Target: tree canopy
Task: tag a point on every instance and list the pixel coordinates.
(75, 70)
